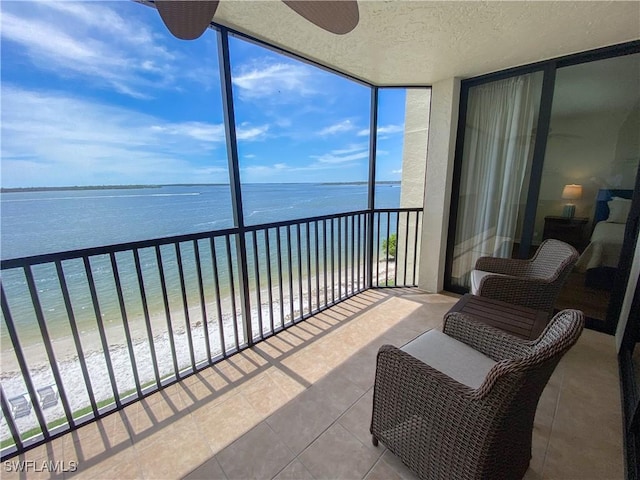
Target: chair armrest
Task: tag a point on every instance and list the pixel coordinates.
(492, 342)
(505, 266)
(533, 293)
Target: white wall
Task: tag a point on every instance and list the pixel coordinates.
(445, 98)
(414, 157)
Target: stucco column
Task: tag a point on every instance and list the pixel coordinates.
(445, 99)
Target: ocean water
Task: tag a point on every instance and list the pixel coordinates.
(41, 222)
(54, 221)
(34, 223)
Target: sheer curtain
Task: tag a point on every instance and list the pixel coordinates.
(498, 142)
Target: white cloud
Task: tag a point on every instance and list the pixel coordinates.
(340, 127)
(252, 133)
(49, 138)
(276, 82)
(383, 130)
(197, 130)
(396, 172)
(341, 156)
(93, 42)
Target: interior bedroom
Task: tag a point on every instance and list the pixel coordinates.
(590, 168)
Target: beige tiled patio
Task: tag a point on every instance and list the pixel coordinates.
(298, 406)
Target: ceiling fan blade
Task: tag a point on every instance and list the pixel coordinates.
(336, 16)
(186, 19)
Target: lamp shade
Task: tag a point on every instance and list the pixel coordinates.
(572, 192)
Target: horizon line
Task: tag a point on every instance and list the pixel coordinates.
(160, 185)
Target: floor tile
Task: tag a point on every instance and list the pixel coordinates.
(209, 470)
(338, 454)
(258, 454)
(302, 420)
(294, 471)
(223, 423)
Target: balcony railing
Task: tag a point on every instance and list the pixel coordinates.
(86, 332)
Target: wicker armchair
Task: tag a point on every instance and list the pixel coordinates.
(443, 429)
(533, 283)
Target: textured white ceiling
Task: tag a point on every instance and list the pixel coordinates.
(422, 42)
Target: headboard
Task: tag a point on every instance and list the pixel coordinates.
(604, 195)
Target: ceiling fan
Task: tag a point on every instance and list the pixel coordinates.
(188, 19)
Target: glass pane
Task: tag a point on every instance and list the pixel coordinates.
(592, 156)
(498, 149)
(112, 131)
(303, 136)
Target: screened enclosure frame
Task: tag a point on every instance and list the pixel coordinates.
(238, 242)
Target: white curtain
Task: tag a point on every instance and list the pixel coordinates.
(497, 146)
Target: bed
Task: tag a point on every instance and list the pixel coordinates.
(599, 260)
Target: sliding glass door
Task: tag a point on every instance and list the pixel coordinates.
(496, 160)
(590, 166)
(550, 151)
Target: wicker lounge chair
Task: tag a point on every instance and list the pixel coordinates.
(475, 425)
(533, 283)
(48, 396)
(20, 406)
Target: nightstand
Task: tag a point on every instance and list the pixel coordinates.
(569, 230)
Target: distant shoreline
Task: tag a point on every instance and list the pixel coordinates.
(133, 187)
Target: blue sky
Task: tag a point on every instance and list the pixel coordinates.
(100, 93)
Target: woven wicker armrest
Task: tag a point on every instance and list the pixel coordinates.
(494, 343)
(505, 266)
(405, 387)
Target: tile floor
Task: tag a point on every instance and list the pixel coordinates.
(298, 406)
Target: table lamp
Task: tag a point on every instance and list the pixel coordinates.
(571, 192)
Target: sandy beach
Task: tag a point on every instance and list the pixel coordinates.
(119, 352)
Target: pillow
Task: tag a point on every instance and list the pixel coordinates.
(618, 210)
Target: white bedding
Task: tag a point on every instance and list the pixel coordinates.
(604, 247)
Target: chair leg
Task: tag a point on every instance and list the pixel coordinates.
(374, 440)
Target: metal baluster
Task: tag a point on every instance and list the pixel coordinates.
(6, 411)
(216, 283)
(203, 307)
(406, 247)
(101, 332)
(125, 322)
(316, 235)
(324, 251)
(233, 292)
(76, 337)
(47, 343)
(290, 265)
(270, 280)
(353, 252)
(145, 309)
(395, 270)
(280, 287)
(333, 281)
(31, 390)
(386, 273)
(340, 257)
(185, 305)
(299, 246)
(378, 249)
(257, 270)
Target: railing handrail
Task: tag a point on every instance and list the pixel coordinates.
(325, 252)
(139, 244)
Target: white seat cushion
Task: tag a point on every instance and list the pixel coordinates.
(476, 278)
(451, 357)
